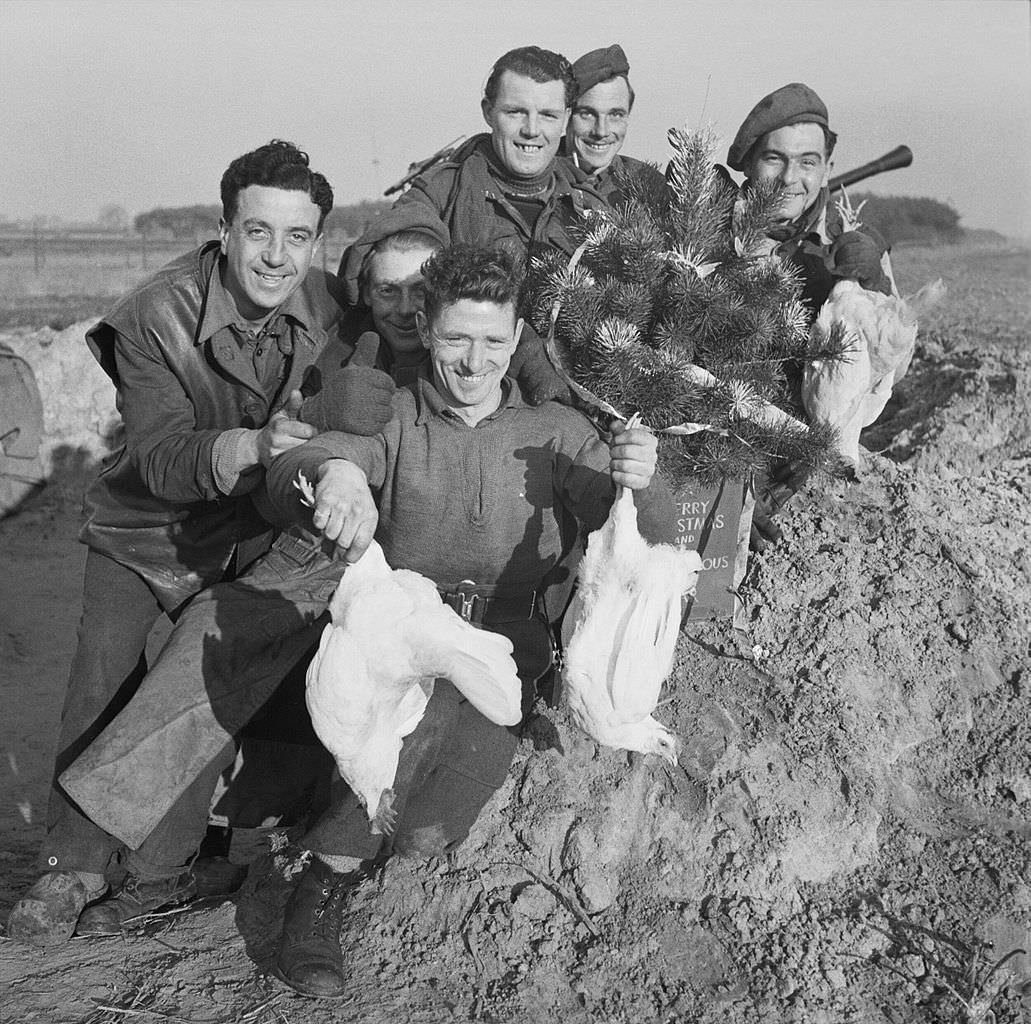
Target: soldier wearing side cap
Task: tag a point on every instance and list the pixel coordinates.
(599, 121)
(787, 137)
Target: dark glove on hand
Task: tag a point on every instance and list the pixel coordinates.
(857, 257)
(773, 491)
(530, 366)
(356, 399)
(764, 531)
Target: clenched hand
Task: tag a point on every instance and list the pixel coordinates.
(344, 510)
(633, 455)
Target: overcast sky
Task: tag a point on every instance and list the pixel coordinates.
(142, 103)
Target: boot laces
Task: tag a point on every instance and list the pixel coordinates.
(325, 921)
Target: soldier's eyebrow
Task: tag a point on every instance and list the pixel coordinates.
(770, 151)
(257, 222)
(580, 108)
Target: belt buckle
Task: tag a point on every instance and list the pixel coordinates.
(465, 592)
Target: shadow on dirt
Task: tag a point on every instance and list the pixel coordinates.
(907, 420)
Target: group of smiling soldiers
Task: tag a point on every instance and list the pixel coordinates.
(407, 389)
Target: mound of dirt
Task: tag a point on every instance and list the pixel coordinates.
(847, 831)
(80, 421)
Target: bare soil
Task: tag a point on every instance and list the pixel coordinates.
(847, 839)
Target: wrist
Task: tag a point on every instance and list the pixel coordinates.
(248, 454)
(340, 468)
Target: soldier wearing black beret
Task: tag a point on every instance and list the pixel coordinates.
(787, 137)
(598, 124)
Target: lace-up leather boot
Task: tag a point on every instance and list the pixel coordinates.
(133, 899)
(309, 958)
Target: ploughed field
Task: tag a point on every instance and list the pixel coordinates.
(847, 838)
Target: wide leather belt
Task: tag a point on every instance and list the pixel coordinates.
(479, 604)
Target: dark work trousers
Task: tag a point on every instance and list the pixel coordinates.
(151, 774)
(450, 766)
(119, 610)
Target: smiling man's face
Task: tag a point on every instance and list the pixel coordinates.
(268, 247)
(527, 120)
(796, 156)
(598, 125)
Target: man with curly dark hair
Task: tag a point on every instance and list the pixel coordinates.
(470, 483)
(209, 356)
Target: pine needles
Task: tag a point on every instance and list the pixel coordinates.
(668, 309)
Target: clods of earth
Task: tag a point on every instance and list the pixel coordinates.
(847, 837)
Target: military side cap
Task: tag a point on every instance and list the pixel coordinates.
(791, 104)
(599, 66)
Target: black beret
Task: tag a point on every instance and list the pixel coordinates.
(791, 104)
(599, 66)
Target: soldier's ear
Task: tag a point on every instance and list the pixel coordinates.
(223, 234)
(486, 106)
(423, 327)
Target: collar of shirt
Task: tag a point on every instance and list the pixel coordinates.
(429, 402)
(220, 311)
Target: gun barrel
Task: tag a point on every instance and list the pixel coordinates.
(900, 156)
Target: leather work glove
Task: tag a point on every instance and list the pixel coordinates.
(772, 493)
(858, 257)
(531, 367)
(356, 399)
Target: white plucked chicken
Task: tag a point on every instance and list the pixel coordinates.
(390, 636)
(850, 393)
(625, 620)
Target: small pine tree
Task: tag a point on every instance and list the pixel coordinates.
(667, 310)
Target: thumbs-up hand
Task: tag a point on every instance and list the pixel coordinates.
(283, 431)
(366, 350)
(357, 398)
(293, 404)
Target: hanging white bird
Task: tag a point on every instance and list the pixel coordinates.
(850, 393)
(625, 620)
(390, 636)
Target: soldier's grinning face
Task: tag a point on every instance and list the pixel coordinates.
(268, 247)
(796, 156)
(527, 120)
(598, 123)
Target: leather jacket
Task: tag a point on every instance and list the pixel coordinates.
(155, 507)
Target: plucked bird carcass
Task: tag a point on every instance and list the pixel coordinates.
(850, 392)
(390, 637)
(625, 623)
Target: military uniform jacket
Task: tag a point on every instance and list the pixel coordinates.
(608, 182)
(469, 201)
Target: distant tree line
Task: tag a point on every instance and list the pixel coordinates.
(898, 218)
(909, 218)
(200, 222)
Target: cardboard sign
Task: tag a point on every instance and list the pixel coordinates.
(715, 522)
